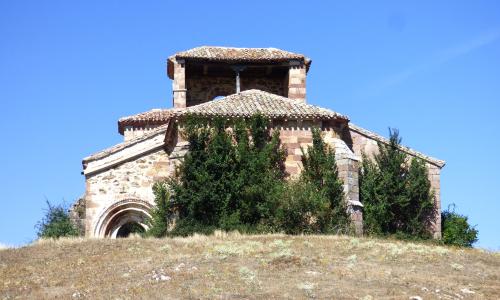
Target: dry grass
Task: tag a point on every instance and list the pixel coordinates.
(231, 266)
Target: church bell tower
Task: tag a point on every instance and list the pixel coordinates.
(205, 73)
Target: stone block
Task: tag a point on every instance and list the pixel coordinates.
(305, 141)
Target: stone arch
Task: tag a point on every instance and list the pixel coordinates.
(120, 214)
(219, 91)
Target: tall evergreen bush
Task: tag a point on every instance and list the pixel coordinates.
(228, 177)
(320, 170)
(233, 178)
(396, 192)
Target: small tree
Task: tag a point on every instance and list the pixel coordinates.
(320, 170)
(396, 192)
(376, 209)
(303, 210)
(56, 223)
(259, 170)
(391, 163)
(158, 223)
(203, 182)
(419, 208)
(456, 229)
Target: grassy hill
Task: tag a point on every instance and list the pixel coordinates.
(257, 267)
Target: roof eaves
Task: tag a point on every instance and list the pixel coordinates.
(191, 54)
(152, 117)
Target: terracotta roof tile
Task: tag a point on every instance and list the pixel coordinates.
(244, 104)
(211, 53)
(153, 117)
(234, 55)
(250, 102)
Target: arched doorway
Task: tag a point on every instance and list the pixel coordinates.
(129, 228)
(123, 218)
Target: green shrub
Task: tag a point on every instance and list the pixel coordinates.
(235, 180)
(456, 229)
(418, 211)
(303, 209)
(396, 192)
(160, 214)
(185, 227)
(56, 223)
(320, 171)
(228, 177)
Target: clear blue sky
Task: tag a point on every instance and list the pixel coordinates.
(69, 71)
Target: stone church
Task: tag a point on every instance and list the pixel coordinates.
(226, 82)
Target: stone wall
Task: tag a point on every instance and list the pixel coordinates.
(296, 135)
(297, 82)
(362, 144)
(201, 89)
(435, 178)
(179, 84)
(294, 138)
(77, 215)
(132, 179)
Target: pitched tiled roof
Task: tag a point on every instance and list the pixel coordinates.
(153, 117)
(250, 102)
(244, 104)
(240, 54)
